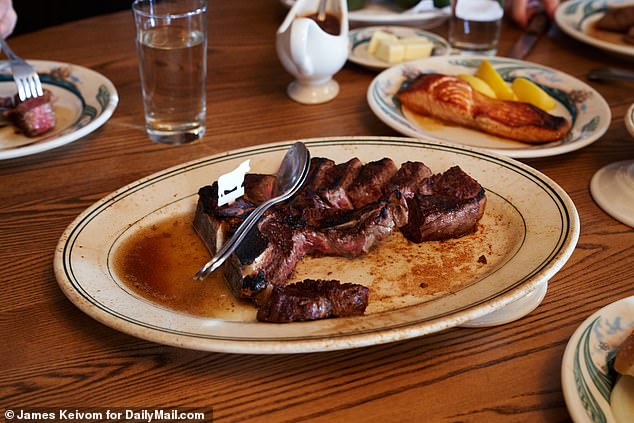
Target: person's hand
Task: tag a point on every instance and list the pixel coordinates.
(521, 11)
(8, 18)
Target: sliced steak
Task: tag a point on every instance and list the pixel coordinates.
(362, 229)
(368, 185)
(314, 299)
(408, 179)
(319, 167)
(324, 219)
(337, 179)
(270, 254)
(257, 189)
(437, 217)
(261, 263)
(454, 183)
(448, 205)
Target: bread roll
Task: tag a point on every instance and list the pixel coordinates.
(624, 362)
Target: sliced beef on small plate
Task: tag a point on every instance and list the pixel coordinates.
(34, 116)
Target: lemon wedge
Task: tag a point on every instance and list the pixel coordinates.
(529, 92)
(488, 74)
(478, 84)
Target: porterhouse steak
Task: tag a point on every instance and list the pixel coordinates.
(341, 210)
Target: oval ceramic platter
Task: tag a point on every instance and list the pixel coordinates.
(577, 101)
(528, 231)
(425, 15)
(578, 17)
(587, 372)
(360, 41)
(85, 100)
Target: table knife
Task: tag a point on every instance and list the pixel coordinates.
(536, 27)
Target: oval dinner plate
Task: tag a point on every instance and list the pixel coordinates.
(385, 12)
(576, 18)
(360, 41)
(576, 101)
(528, 232)
(587, 375)
(85, 100)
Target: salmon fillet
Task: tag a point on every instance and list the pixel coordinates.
(451, 99)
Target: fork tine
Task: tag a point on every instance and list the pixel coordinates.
(27, 88)
(38, 85)
(21, 92)
(32, 86)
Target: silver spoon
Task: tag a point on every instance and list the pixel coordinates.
(614, 74)
(289, 178)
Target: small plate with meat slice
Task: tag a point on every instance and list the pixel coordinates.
(606, 24)
(467, 117)
(82, 101)
(128, 261)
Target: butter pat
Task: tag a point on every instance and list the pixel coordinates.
(391, 51)
(377, 36)
(416, 48)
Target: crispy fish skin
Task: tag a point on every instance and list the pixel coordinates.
(453, 100)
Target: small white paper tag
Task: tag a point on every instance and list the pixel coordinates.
(231, 185)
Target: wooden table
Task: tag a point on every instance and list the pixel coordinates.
(55, 355)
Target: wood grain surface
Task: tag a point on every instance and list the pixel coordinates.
(55, 355)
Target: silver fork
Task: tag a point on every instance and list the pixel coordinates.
(25, 77)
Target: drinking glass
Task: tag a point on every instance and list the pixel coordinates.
(474, 27)
(172, 48)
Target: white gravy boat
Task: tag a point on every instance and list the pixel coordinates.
(311, 54)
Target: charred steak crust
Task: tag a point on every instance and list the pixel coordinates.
(408, 178)
(337, 180)
(318, 221)
(447, 205)
(314, 299)
(438, 217)
(368, 186)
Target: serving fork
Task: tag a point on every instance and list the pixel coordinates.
(24, 75)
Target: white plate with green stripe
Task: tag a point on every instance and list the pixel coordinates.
(583, 106)
(587, 372)
(84, 100)
(528, 232)
(577, 19)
